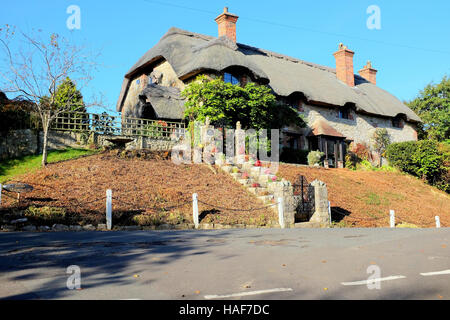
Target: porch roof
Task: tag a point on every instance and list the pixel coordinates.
(323, 128)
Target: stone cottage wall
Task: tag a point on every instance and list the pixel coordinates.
(361, 129)
(163, 74)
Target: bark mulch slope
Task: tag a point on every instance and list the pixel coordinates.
(367, 196)
(154, 187)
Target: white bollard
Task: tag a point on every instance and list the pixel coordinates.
(438, 222)
(329, 211)
(195, 209)
(392, 218)
(281, 212)
(109, 209)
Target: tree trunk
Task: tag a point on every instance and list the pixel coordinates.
(44, 147)
(45, 127)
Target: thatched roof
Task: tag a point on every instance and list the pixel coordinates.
(189, 53)
(3, 97)
(166, 101)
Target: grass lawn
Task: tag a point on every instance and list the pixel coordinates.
(11, 168)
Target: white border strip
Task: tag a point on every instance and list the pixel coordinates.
(436, 273)
(371, 281)
(249, 293)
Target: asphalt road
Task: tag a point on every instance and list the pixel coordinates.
(228, 264)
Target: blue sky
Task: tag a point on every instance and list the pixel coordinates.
(411, 49)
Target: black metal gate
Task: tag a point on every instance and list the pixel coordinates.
(304, 198)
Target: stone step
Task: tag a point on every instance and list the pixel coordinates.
(226, 168)
(259, 191)
(266, 199)
(246, 166)
(246, 182)
(255, 171)
(236, 175)
(263, 178)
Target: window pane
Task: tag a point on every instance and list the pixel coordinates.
(228, 77)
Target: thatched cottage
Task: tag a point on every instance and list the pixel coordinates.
(339, 105)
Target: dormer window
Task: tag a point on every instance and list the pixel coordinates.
(296, 101)
(228, 77)
(345, 113)
(397, 122)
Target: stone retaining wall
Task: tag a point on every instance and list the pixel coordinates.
(18, 143)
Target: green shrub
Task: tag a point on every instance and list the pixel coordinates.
(356, 154)
(351, 160)
(148, 220)
(400, 155)
(365, 165)
(52, 214)
(175, 218)
(426, 159)
(315, 157)
(291, 155)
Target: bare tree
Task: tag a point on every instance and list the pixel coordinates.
(33, 66)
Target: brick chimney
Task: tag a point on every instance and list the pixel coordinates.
(369, 73)
(227, 24)
(344, 65)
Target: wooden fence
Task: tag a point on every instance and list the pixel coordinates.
(116, 125)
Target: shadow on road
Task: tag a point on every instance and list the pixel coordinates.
(107, 258)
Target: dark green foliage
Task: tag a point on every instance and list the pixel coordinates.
(68, 97)
(425, 159)
(17, 114)
(291, 155)
(433, 107)
(255, 106)
(400, 156)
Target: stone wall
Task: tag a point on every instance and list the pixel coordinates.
(360, 129)
(58, 140)
(137, 143)
(18, 143)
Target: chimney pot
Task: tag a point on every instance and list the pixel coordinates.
(344, 65)
(369, 73)
(227, 24)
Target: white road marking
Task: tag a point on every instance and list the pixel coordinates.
(249, 293)
(426, 274)
(371, 281)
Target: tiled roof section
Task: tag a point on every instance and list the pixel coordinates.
(322, 128)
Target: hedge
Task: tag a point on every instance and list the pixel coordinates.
(424, 159)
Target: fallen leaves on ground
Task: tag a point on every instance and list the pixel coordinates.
(367, 196)
(158, 188)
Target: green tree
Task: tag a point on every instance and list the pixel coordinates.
(255, 106)
(381, 140)
(433, 107)
(67, 96)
